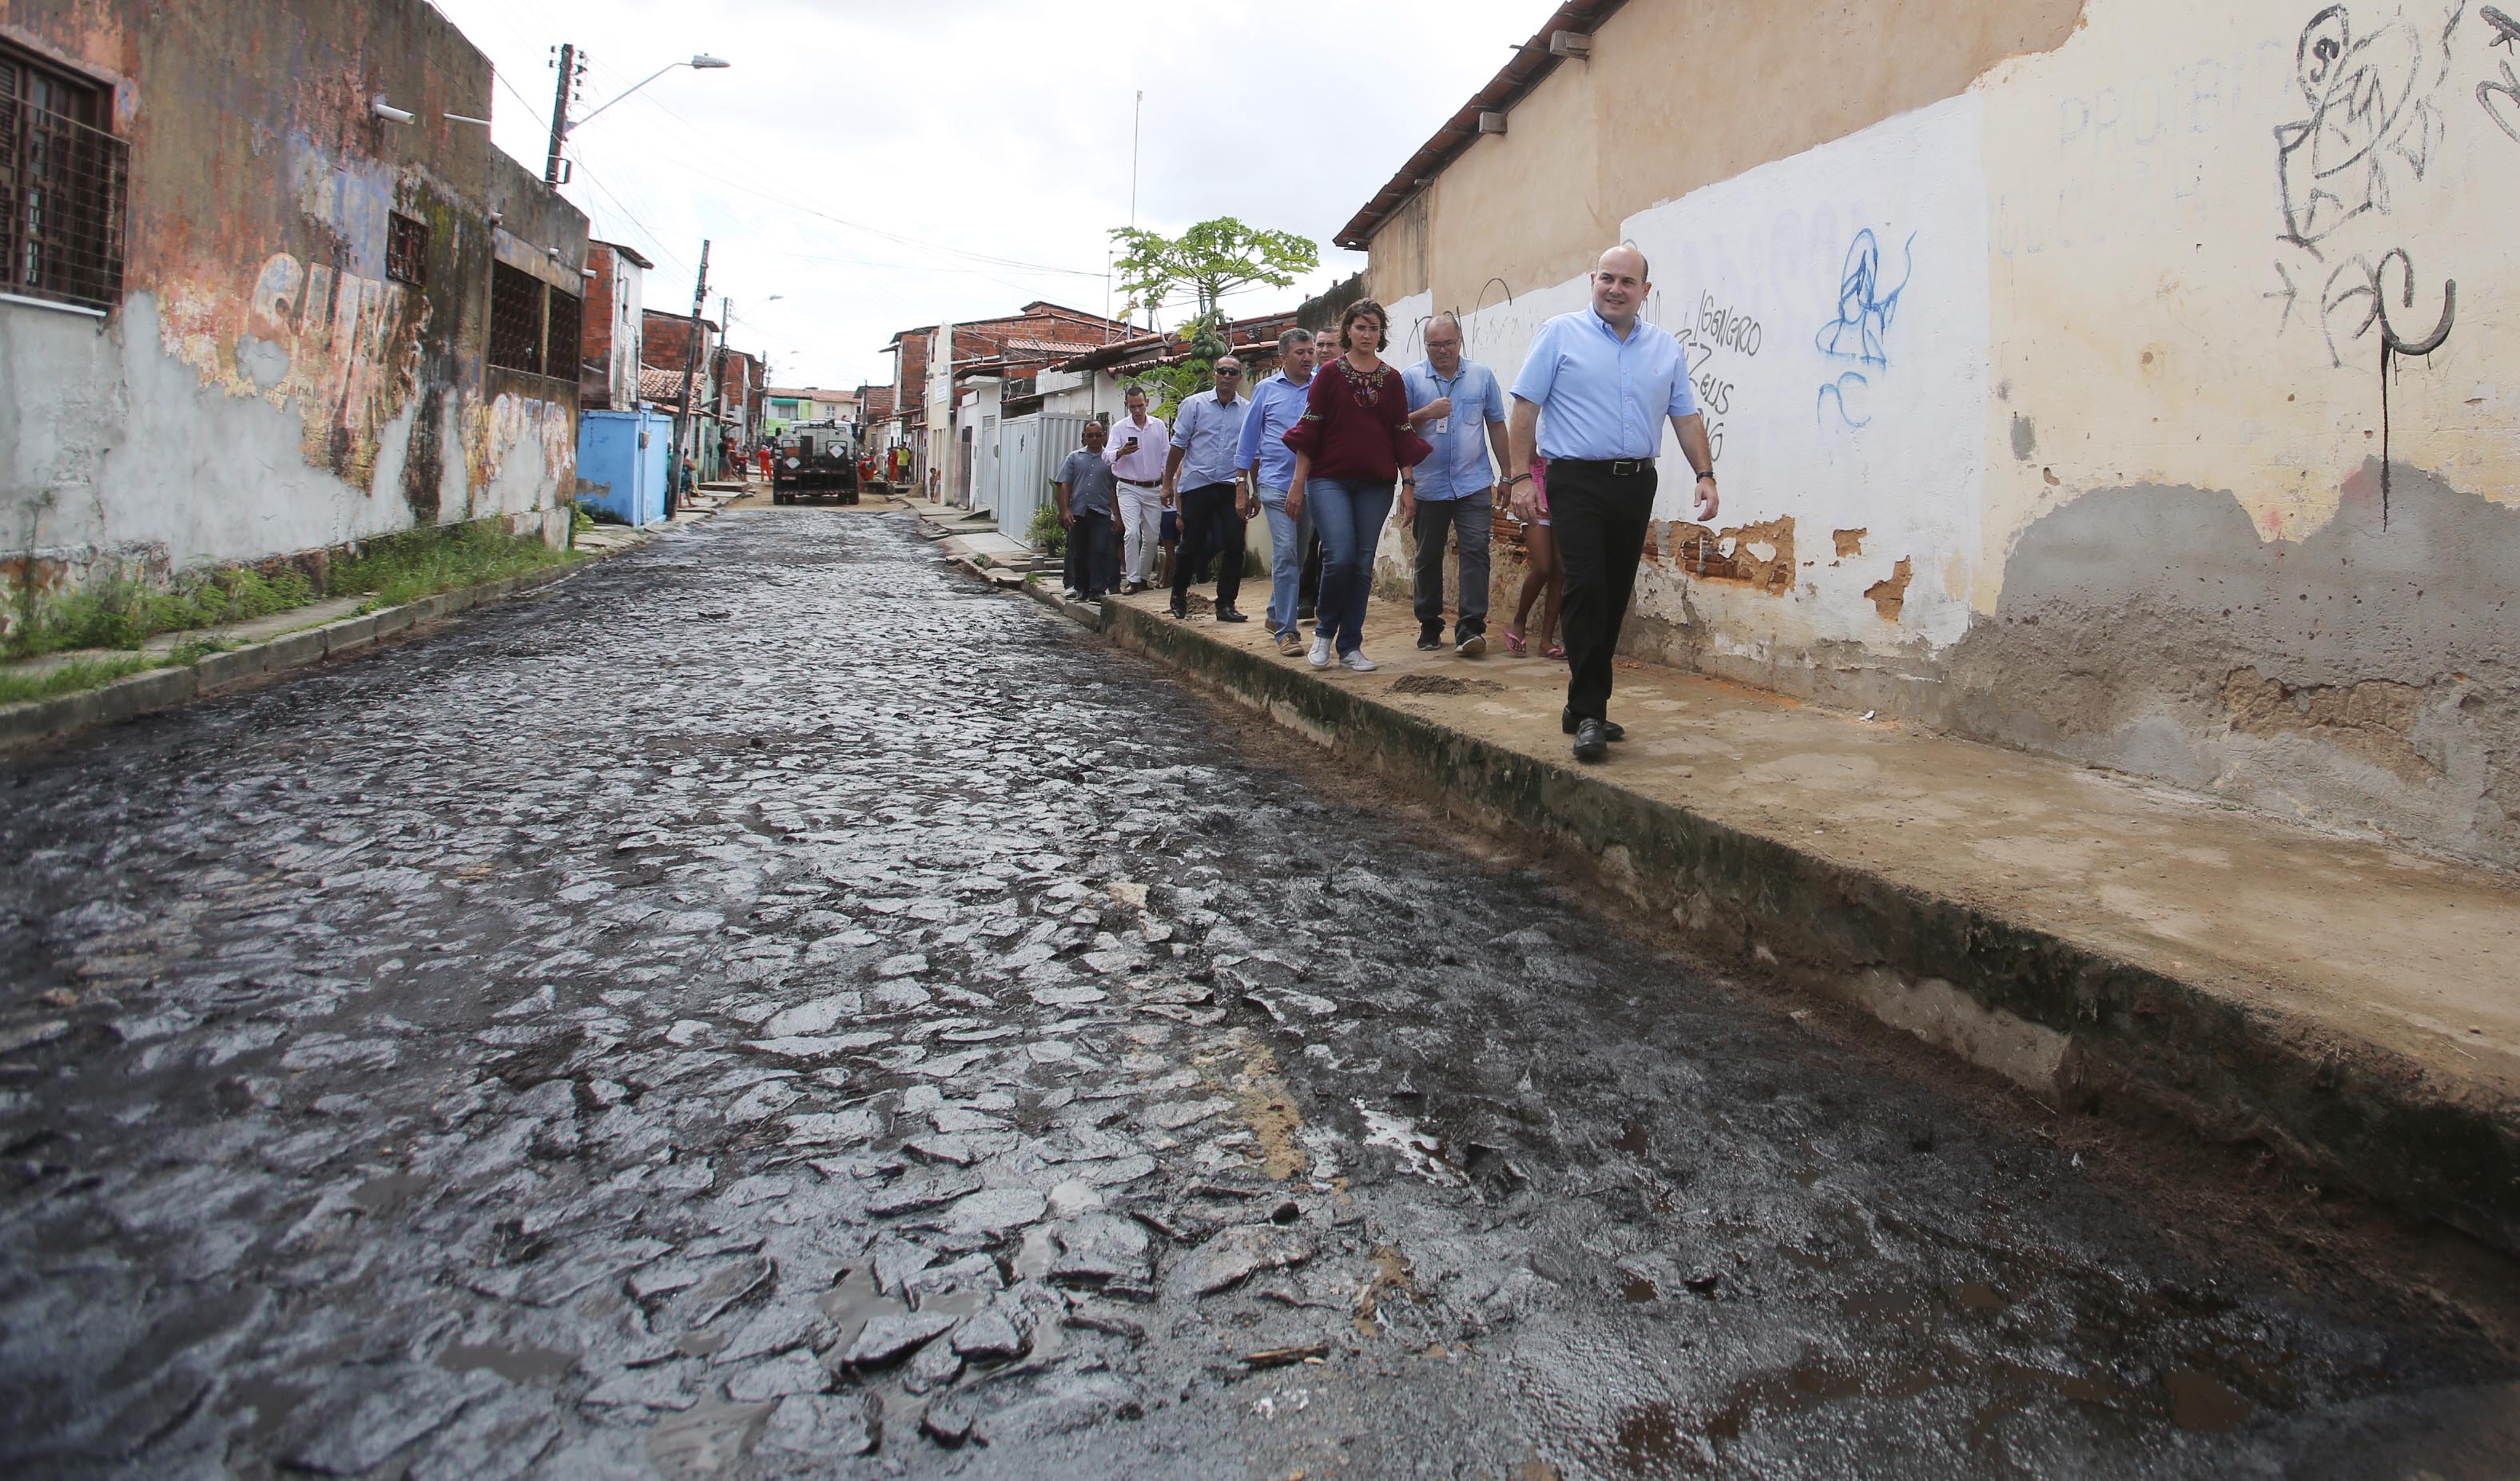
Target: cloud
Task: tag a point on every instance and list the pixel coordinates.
(885, 166)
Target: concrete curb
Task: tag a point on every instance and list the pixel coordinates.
(2045, 1010)
(32, 722)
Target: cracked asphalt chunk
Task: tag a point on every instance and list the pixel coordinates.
(888, 1033)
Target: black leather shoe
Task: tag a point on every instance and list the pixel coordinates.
(1178, 614)
(1229, 615)
(1592, 740)
(1610, 729)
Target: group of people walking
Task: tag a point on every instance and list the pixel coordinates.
(1322, 446)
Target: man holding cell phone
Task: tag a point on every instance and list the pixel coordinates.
(1141, 445)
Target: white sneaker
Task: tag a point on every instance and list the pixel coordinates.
(1320, 654)
(1359, 663)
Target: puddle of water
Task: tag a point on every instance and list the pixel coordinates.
(2204, 1404)
(1419, 1153)
(699, 1344)
(855, 1301)
(1039, 1253)
(1633, 1139)
(271, 1399)
(517, 1364)
(1978, 1296)
(379, 1194)
(704, 1441)
(1638, 1288)
(957, 1303)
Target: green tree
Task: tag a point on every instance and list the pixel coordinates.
(1167, 386)
(1211, 259)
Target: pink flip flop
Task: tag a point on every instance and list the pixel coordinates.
(1514, 645)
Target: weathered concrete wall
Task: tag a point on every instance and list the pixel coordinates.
(267, 387)
(2051, 410)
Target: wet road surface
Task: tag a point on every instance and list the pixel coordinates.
(773, 1008)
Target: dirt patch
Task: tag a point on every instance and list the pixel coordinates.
(1264, 1103)
(1444, 683)
(2372, 720)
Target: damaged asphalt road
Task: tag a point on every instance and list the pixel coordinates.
(883, 1033)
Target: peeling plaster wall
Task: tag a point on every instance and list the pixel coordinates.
(266, 388)
(2053, 412)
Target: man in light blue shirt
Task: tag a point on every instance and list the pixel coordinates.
(1207, 433)
(1269, 468)
(1607, 379)
(1451, 492)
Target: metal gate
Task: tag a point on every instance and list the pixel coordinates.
(1030, 449)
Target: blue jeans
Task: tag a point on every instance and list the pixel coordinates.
(1288, 538)
(1349, 513)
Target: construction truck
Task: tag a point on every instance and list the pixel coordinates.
(815, 460)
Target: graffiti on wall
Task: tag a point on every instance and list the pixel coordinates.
(343, 350)
(1861, 330)
(2371, 133)
(1716, 343)
(2505, 114)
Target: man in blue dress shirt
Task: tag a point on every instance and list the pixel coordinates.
(1269, 467)
(1200, 475)
(1607, 379)
(1453, 492)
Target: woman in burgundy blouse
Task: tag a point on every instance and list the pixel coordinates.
(1349, 446)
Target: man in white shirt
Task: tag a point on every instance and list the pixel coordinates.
(1141, 445)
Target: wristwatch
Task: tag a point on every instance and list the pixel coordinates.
(1706, 473)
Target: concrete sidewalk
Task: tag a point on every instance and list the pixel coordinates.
(2355, 1005)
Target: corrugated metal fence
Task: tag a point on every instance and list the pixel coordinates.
(1030, 449)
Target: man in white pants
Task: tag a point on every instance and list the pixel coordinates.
(1140, 447)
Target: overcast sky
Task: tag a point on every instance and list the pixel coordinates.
(886, 163)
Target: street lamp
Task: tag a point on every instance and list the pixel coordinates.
(563, 125)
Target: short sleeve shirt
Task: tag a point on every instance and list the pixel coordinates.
(1602, 397)
(1459, 465)
(1088, 482)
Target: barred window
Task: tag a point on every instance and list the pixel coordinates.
(407, 249)
(560, 340)
(63, 185)
(516, 319)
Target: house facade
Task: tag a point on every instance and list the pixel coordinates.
(2114, 378)
(264, 300)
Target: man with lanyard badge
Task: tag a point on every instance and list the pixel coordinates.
(1452, 492)
(1607, 379)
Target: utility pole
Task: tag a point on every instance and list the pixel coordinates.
(690, 365)
(570, 69)
(725, 321)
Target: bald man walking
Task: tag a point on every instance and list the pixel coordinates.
(1607, 379)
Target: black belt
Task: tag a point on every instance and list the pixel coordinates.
(1140, 483)
(1617, 467)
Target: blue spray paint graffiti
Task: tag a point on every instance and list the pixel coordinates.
(1836, 390)
(1862, 326)
(1864, 310)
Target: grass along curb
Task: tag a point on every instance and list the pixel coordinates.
(122, 685)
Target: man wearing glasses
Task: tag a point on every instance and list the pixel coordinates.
(1199, 476)
(1451, 493)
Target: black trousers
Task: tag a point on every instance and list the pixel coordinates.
(1093, 564)
(1209, 525)
(1600, 520)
